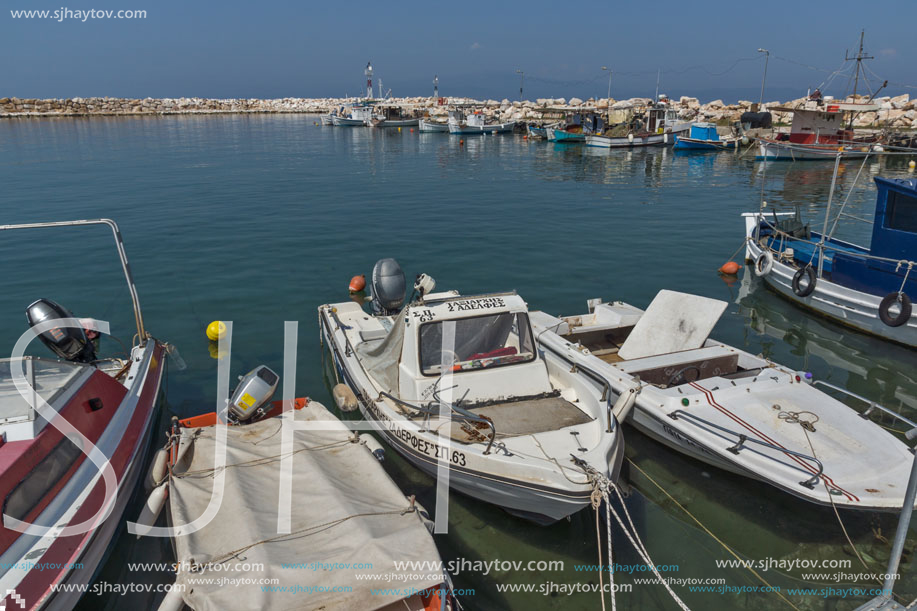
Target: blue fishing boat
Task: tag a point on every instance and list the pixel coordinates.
(537, 133)
(704, 137)
(867, 288)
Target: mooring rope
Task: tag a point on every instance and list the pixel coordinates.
(601, 487)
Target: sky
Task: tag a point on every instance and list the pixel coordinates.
(284, 48)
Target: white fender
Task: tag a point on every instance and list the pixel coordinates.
(374, 446)
(173, 600)
(625, 403)
(152, 508)
(630, 137)
(159, 470)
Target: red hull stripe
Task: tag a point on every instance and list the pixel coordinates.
(709, 395)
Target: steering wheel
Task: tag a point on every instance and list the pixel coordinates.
(449, 357)
(681, 374)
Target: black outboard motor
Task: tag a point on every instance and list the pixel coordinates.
(756, 120)
(68, 343)
(388, 287)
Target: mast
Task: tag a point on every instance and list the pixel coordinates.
(859, 57)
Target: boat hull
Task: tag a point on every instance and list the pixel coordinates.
(125, 444)
(684, 143)
(347, 122)
(774, 150)
(496, 128)
(327, 119)
(663, 139)
(394, 123)
(559, 135)
(538, 133)
(425, 126)
(844, 305)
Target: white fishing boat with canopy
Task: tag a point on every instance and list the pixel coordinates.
(456, 381)
(727, 407)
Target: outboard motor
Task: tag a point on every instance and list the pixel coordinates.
(388, 287)
(255, 389)
(68, 343)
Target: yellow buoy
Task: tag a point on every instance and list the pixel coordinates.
(216, 330)
(911, 164)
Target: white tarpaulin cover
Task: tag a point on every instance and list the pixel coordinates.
(345, 510)
(672, 322)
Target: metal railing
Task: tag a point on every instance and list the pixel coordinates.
(873, 406)
(742, 439)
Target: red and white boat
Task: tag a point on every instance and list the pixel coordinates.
(74, 431)
(818, 132)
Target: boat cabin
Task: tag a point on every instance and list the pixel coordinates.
(704, 131)
(894, 236)
(660, 117)
(822, 122)
(362, 111)
(485, 342)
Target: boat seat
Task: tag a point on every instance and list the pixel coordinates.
(698, 364)
(372, 334)
(526, 417)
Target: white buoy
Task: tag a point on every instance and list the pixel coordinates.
(344, 398)
(159, 470)
(630, 137)
(374, 446)
(151, 509)
(173, 600)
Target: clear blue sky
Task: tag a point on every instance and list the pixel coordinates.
(315, 49)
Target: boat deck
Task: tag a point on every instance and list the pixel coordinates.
(804, 252)
(515, 418)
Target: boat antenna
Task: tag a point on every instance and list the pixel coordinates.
(658, 74)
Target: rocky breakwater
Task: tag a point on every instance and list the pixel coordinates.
(897, 112)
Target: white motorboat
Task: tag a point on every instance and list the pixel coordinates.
(456, 381)
(341, 515)
(75, 431)
(359, 115)
(476, 123)
(429, 126)
(727, 407)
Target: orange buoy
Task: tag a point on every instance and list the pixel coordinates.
(412, 130)
(461, 143)
(525, 137)
(357, 283)
(730, 268)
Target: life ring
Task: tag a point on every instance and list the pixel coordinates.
(903, 315)
(804, 291)
(764, 263)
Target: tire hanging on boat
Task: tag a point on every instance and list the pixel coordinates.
(764, 263)
(804, 291)
(904, 314)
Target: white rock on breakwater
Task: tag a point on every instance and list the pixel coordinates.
(899, 111)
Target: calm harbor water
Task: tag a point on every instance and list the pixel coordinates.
(260, 219)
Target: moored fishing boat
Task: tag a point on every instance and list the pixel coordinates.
(658, 125)
(727, 407)
(392, 115)
(475, 122)
(328, 119)
(456, 382)
(537, 133)
(818, 132)
(704, 137)
(320, 524)
(359, 114)
(572, 128)
(430, 126)
(74, 436)
(868, 289)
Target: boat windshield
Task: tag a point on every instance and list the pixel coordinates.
(48, 378)
(480, 342)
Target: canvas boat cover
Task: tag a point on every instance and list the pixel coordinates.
(380, 358)
(345, 510)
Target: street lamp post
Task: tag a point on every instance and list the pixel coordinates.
(609, 82)
(521, 82)
(767, 56)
